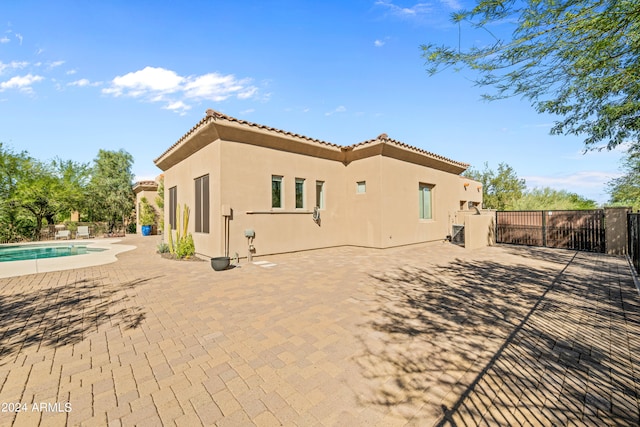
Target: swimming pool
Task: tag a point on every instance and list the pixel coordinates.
(27, 252)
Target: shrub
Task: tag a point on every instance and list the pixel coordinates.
(163, 248)
(182, 246)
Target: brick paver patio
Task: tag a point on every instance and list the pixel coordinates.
(423, 335)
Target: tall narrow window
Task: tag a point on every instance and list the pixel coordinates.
(202, 204)
(320, 194)
(361, 187)
(173, 204)
(276, 191)
(424, 196)
(299, 192)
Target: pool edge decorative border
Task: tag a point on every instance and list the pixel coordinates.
(44, 265)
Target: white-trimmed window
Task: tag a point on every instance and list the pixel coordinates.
(361, 187)
(276, 191)
(299, 193)
(320, 194)
(425, 203)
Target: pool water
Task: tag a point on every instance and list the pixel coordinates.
(26, 252)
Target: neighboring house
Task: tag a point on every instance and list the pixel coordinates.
(237, 176)
(148, 189)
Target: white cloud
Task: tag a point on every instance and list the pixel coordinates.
(378, 43)
(452, 4)
(216, 87)
(5, 39)
(80, 83)
(22, 83)
(161, 85)
(248, 92)
(339, 109)
(19, 37)
(247, 111)
(55, 64)
(410, 12)
(14, 65)
(145, 81)
(178, 107)
(71, 72)
(572, 182)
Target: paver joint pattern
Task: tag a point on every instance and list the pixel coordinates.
(430, 334)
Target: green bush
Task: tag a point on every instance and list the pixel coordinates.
(182, 246)
(186, 248)
(163, 248)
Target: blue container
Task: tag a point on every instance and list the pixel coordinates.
(146, 230)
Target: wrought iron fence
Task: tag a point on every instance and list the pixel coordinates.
(633, 234)
(578, 230)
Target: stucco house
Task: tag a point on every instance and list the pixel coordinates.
(294, 193)
(148, 189)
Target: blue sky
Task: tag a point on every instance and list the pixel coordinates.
(79, 76)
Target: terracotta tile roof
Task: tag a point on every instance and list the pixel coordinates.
(213, 115)
(383, 137)
(148, 183)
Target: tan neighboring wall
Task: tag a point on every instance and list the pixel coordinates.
(148, 189)
(241, 158)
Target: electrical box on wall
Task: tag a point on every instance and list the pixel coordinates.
(226, 210)
(249, 233)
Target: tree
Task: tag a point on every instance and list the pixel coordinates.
(578, 59)
(625, 190)
(13, 223)
(112, 198)
(160, 202)
(74, 180)
(35, 193)
(550, 199)
(500, 189)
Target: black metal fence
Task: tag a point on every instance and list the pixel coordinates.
(577, 230)
(633, 234)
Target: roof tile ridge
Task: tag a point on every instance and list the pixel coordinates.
(423, 151)
(216, 114)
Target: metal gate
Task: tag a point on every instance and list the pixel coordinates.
(578, 230)
(633, 234)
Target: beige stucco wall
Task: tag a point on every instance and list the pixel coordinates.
(151, 198)
(246, 172)
(479, 231)
(385, 215)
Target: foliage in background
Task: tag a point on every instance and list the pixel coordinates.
(15, 223)
(578, 59)
(160, 203)
(182, 246)
(34, 193)
(501, 188)
(549, 199)
(625, 190)
(148, 213)
(112, 198)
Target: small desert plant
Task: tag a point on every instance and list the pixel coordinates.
(182, 246)
(163, 248)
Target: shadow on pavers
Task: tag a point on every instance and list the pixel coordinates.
(65, 314)
(481, 341)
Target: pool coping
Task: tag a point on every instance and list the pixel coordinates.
(43, 265)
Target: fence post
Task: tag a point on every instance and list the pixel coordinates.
(544, 228)
(615, 226)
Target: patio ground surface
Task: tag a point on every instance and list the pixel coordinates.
(430, 334)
